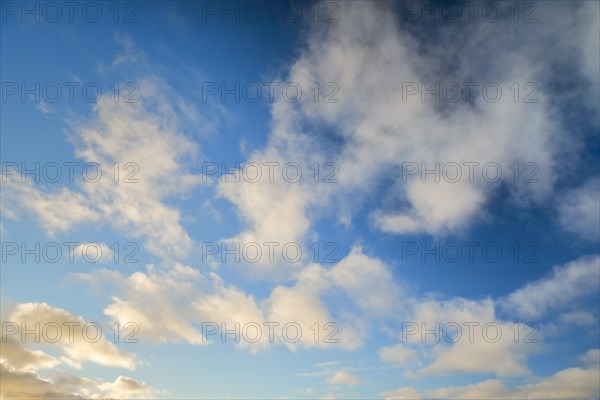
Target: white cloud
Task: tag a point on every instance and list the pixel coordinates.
(421, 354)
(43, 107)
(367, 284)
(586, 35)
(432, 212)
(369, 56)
(229, 305)
(126, 388)
(570, 383)
(343, 378)
(398, 354)
(58, 328)
(170, 305)
(282, 221)
(57, 211)
(408, 393)
(562, 289)
(93, 252)
(474, 352)
(147, 135)
(154, 155)
(157, 301)
(19, 385)
(591, 358)
(18, 358)
(30, 373)
(579, 210)
(29, 385)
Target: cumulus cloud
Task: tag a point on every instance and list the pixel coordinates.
(57, 328)
(579, 210)
(16, 357)
(93, 252)
(370, 57)
(562, 289)
(171, 305)
(31, 385)
(28, 373)
(56, 211)
(574, 383)
(146, 138)
(126, 388)
(459, 335)
(157, 301)
(365, 282)
(398, 354)
(19, 385)
(479, 348)
(343, 378)
(377, 129)
(147, 135)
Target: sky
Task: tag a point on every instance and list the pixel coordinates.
(311, 200)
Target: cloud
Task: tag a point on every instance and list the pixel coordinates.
(169, 305)
(157, 301)
(432, 212)
(408, 393)
(56, 327)
(373, 129)
(18, 358)
(343, 378)
(573, 383)
(30, 385)
(431, 344)
(94, 252)
(591, 358)
(43, 107)
(57, 211)
(230, 305)
(398, 354)
(20, 385)
(126, 388)
(34, 374)
(368, 282)
(562, 289)
(146, 135)
(579, 212)
(146, 138)
(282, 221)
(362, 288)
(493, 351)
(586, 34)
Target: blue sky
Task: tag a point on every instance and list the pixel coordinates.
(364, 107)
